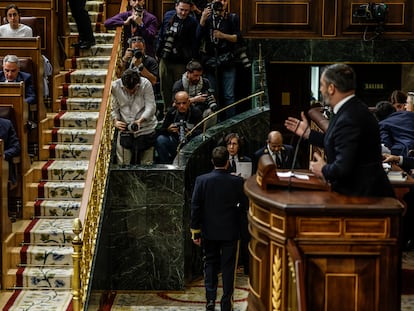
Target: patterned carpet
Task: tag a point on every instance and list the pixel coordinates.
(193, 297)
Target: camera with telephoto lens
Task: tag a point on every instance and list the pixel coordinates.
(168, 45)
(240, 53)
(137, 53)
(211, 100)
(216, 7)
(132, 127)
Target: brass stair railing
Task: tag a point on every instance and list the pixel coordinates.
(86, 226)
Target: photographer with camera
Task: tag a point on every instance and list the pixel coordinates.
(135, 58)
(137, 22)
(133, 115)
(176, 46)
(179, 120)
(199, 90)
(219, 32)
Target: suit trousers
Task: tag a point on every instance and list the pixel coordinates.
(220, 256)
(82, 19)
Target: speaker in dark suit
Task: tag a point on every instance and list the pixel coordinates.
(352, 145)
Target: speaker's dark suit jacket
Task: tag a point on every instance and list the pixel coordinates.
(217, 203)
(286, 153)
(353, 152)
(26, 77)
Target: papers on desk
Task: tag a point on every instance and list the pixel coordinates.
(397, 176)
(291, 174)
(244, 169)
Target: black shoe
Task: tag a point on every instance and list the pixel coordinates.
(210, 305)
(86, 44)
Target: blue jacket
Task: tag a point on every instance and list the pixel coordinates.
(397, 132)
(26, 77)
(11, 142)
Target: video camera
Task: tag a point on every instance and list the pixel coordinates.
(372, 12)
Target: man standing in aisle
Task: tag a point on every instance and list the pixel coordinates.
(219, 32)
(352, 143)
(218, 201)
(176, 46)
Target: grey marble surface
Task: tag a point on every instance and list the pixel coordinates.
(142, 230)
(339, 50)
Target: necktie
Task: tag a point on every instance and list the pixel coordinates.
(278, 160)
(232, 165)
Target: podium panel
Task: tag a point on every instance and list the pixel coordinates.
(318, 250)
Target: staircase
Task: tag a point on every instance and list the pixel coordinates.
(39, 251)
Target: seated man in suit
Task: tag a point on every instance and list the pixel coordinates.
(11, 144)
(396, 128)
(11, 73)
(282, 154)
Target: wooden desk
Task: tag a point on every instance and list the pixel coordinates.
(349, 247)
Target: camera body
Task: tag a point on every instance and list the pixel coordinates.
(216, 7)
(182, 125)
(376, 12)
(139, 9)
(132, 127)
(138, 53)
(211, 100)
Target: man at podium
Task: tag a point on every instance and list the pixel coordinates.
(352, 145)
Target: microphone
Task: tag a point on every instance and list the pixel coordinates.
(295, 155)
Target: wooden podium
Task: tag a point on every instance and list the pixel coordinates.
(316, 250)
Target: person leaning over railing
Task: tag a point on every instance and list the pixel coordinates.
(137, 22)
(133, 114)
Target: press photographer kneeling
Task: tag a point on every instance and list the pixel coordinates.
(133, 115)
